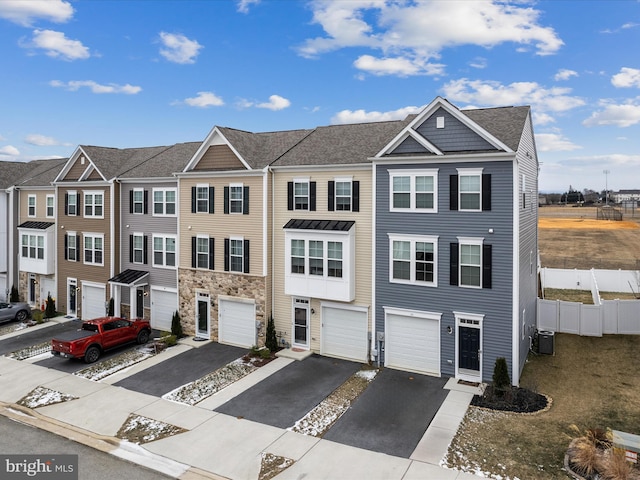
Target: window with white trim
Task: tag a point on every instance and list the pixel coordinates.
(414, 190)
(334, 259)
(164, 201)
(235, 198)
(297, 256)
(72, 203)
(31, 205)
(413, 259)
(93, 204)
(202, 198)
(32, 246)
(164, 251)
(300, 195)
(236, 254)
(470, 190)
(72, 246)
(51, 206)
(343, 195)
(202, 252)
(138, 248)
(137, 200)
(93, 249)
(471, 264)
(321, 258)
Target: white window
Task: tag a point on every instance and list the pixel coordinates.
(414, 190)
(164, 201)
(72, 247)
(202, 198)
(32, 246)
(72, 203)
(413, 259)
(334, 259)
(138, 248)
(320, 258)
(164, 251)
(316, 257)
(202, 252)
(236, 254)
(343, 195)
(470, 189)
(138, 201)
(93, 204)
(93, 249)
(51, 202)
(470, 265)
(31, 205)
(301, 195)
(235, 198)
(297, 256)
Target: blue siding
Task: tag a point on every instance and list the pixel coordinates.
(496, 304)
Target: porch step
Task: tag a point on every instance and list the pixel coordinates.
(294, 353)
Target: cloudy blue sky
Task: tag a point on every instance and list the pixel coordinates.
(143, 73)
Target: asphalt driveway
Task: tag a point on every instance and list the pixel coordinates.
(32, 337)
(290, 393)
(181, 369)
(392, 414)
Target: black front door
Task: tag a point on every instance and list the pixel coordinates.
(32, 290)
(139, 303)
(469, 348)
(203, 318)
(72, 298)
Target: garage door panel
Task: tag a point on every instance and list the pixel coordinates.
(412, 344)
(163, 306)
(93, 302)
(236, 323)
(345, 334)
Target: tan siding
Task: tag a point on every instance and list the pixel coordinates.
(41, 205)
(219, 157)
(282, 304)
(76, 170)
(94, 176)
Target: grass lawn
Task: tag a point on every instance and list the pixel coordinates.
(568, 295)
(593, 382)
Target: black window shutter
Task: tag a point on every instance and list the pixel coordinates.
(245, 251)
(331, 198)
(193, 199)
(453, 264)
(245, 201)
(145, 248)
(79, 248)
(211, 251)
(226, 254)
(355, 200)
(212, 191)
(226, 200)
(66, 204)
(290, 196)
(486, 266)
(453, 192)
(78, 202)
(312, 196)
(131, 201)
(486, 192)
(145, 207)
(194, 249)
(131, 248)
(66, 246)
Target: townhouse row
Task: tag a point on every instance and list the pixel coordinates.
(411, 243)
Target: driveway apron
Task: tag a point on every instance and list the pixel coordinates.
(30, 337)
(290, 393)
(392, 414)
(182, 369)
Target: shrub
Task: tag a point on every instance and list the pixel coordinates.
(271, 340)
(50, 309)
(176, 325)
(15, 296)
(37, 317)
(169, 340)
(111, 308)
(501, 380)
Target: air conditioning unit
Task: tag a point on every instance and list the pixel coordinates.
(546, 342)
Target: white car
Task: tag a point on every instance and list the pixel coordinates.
(14, 311)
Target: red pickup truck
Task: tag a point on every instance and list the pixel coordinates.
(100, 334)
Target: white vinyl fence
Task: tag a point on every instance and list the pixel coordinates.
(604, 317)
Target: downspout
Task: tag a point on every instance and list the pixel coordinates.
(11, 237)
(112, 234)
(375, 352)
(515, 334)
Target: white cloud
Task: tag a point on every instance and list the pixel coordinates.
(42, 140)
(95, 87)
(204, 100)
(243, 5)
(553, 142)
(25, 12)
(628, 77)
(400, 66)
(479, 63)
(542, 118)
(9, 150)
(397, 29)
(362, 116)
(565, 74)
(57, 45)
(493, 94)
(613, 159)
(276, 102)
(624, 115)
(178, 48)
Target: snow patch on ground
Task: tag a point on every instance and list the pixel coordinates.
(138, 429)
(102, 370)
(31, 351)
(14, 327)
(42, 396)
(271, 465)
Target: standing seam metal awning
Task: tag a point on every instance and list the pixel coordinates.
(130, 278)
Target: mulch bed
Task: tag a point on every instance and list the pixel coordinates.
(515, 399)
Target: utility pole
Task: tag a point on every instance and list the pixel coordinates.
(606, 186)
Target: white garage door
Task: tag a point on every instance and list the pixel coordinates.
(344, 334)
(163, 305)
(237, 323)
(93, 302)
(48, 287)
(412, 344)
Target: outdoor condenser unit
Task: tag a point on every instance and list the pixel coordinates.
(546, 342)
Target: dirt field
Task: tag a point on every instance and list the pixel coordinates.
(572, 237)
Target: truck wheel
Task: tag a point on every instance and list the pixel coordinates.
(92, 354)
(143, 336)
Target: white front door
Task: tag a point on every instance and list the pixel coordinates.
(301, 315)
(203, 315)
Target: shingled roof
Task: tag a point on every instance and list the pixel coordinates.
(504, 123)
(10, 171)
(164, 163)
(112, 162)
(41, 172)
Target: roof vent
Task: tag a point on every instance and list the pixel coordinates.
(439, 122)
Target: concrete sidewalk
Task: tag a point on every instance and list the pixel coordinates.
(216, 445)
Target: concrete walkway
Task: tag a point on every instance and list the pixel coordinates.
(217, 445)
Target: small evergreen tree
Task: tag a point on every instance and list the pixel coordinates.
(501, 380)
(271, 340)
(50, 309)
(111, 308)
(15, 296)
(176, 325)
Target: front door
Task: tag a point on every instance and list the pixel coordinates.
(301, 323)
(32, 289)
(202, 315)
(469, 349)
(72, 285)
(139, 303)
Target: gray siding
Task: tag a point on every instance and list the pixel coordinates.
(495, 303)
(454, 137)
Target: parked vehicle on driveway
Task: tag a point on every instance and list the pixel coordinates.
(100, 334)
(14, 311)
